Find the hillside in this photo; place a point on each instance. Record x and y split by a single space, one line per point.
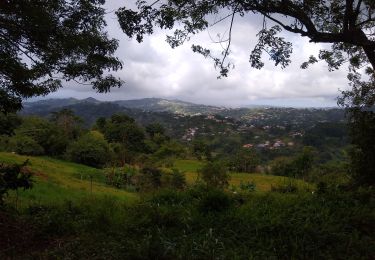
171 112
57 181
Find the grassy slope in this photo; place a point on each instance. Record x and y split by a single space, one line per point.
58 180
263 182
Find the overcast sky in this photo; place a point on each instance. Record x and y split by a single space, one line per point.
153 69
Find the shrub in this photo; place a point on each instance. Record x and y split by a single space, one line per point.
25 145
13 177
248 186
90 149
214 201
288 186
178 179
215 174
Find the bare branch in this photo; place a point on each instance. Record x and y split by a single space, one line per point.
229 39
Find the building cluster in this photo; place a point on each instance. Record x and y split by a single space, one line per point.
268 145
190 133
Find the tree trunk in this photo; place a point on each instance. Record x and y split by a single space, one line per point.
370 53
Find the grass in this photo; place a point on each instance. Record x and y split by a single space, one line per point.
198 223
188 165
263 182
57 180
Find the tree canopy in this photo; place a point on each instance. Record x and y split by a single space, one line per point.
46 42
347 25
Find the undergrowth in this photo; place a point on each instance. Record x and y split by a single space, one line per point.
206 224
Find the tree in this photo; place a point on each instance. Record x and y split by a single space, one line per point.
154 129
44 133
297 166
246 160
46 42
362 130
214 174
90 149
201 149
347 25
25 145
123 129
68 122
8 123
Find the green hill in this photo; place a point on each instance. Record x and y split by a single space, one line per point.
57 181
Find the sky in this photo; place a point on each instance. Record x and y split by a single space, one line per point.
154 69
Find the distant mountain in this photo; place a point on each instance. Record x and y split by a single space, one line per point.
172 106
150 109
145 104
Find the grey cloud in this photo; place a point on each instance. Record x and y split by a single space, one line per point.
153 69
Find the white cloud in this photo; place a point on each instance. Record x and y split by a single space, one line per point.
153 69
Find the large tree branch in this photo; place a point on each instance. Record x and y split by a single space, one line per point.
351 33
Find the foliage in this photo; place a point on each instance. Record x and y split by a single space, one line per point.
297 166
155 129
345 25
8 123
178 180
120 177
201 150
248 186
122 129
173 179
25 145
288 186
150 178
362 128
57 181
282 166
215 174
13 177
45 42
66 120
245 160
169 149
90 149
47 135
176 225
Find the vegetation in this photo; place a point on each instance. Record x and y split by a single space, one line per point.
202 183
62 38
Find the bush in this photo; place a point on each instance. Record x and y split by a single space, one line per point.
25 145
288 186
214 201
90 149
178 180
215 174
248 186
13 177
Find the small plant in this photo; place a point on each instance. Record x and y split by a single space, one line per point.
248 186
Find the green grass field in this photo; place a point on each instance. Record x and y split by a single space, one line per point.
263 181
57 181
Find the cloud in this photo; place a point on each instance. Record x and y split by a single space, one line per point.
154 69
